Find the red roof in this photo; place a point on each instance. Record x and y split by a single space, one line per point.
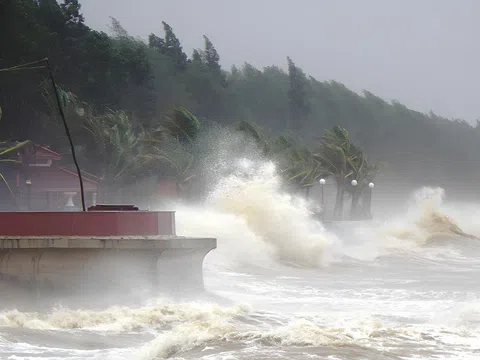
46 153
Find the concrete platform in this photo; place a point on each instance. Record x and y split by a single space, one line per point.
70 253
159 242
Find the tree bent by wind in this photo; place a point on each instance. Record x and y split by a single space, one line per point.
298 166
345 162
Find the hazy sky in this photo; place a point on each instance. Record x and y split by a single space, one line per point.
424 53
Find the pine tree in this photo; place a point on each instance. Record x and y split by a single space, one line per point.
71 10
173 49
212 60
117 29
196 57
297 94
156 43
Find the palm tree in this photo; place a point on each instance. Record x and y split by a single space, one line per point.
126 152
336 153
116 145
298 165
168 148
182 125
345 162
171 160
371 172
364 172
256 134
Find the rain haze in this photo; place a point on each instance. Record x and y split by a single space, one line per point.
421 53
193 195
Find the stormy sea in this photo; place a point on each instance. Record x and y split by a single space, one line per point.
282 285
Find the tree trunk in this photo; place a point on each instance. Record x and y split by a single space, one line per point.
367 203
338 210
355 198
337 203
179 191
307 193
342 196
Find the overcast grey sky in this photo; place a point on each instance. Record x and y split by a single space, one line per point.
424 53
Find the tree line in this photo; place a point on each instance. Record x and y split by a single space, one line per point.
118 76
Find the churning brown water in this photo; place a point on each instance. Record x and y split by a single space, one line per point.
280 286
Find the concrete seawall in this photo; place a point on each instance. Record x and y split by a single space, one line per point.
74 255
82 265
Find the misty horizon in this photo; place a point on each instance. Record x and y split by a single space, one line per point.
363 46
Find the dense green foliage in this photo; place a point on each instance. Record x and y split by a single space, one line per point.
121 77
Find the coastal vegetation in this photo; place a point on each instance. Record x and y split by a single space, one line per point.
136 107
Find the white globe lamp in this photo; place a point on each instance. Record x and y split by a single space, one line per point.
354 182
322 181
371 185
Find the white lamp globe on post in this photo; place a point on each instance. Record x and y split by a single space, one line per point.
322 181
354 198
368 207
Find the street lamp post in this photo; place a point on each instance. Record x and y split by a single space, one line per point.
322 183
354 199
371 185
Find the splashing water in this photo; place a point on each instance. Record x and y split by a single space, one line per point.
394 305
262 217
426 220
119 319
433 220
257 223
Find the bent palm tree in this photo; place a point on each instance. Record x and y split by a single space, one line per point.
171 160
256 134
116 145
181 125
364 172
298 165
345 162
334 152
168 149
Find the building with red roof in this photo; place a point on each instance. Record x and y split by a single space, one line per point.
42 184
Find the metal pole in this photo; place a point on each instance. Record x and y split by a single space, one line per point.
323 205
370 205
67 131
29 66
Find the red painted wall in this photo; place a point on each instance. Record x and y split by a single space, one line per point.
101 223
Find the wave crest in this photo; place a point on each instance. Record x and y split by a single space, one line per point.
261 212
119 319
